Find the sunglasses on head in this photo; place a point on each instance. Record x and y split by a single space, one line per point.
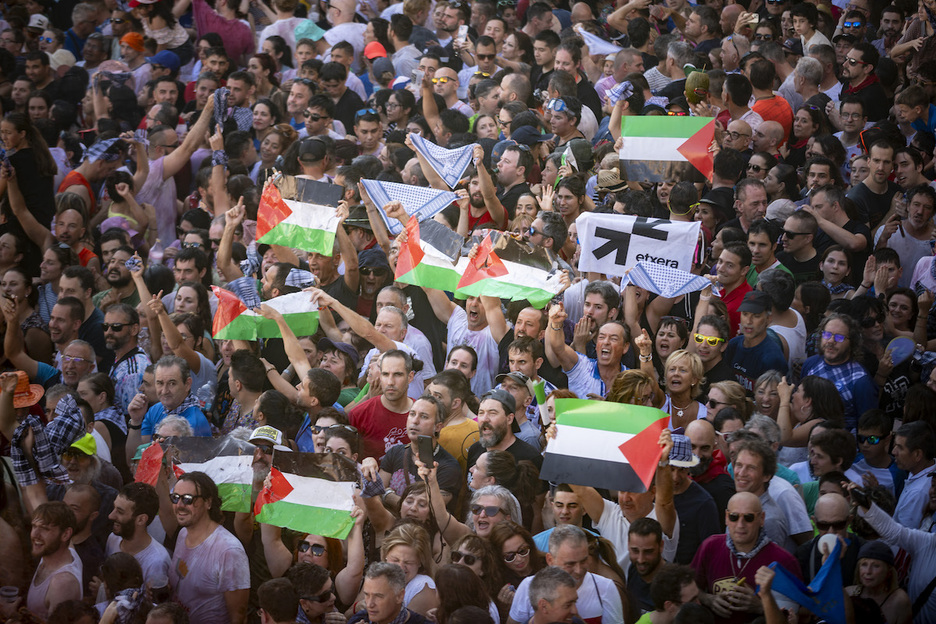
869 439
468 558
522 553
364 111
734 516
317 549
556 105
489 510
709 340
185 499
830 336
835 526
115 326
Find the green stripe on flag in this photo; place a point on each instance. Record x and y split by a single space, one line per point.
495 287
431 276
235 496
664 127
250 326
608 416
316 520
307 239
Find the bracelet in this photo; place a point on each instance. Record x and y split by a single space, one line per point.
645 358
554 328
866 287
270 370
709 298
134 427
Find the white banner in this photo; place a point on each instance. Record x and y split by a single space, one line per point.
613 243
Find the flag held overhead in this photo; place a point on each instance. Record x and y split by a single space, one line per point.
604 445
299 213
450 164
428 256
234 321
417 201
228 461
658 149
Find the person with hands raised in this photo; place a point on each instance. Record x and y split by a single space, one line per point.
587 376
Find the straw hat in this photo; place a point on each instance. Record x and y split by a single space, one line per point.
26 394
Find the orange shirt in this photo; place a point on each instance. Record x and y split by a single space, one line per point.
775 108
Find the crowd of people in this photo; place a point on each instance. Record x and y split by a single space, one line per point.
799 385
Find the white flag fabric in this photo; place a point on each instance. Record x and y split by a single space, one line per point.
450 164
663 280
613 243
597 45
418 202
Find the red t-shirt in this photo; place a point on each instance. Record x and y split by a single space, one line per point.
733 301
776 109
379 427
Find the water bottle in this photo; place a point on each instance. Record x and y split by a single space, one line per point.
205 396
156 252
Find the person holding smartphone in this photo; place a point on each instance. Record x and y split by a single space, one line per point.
397 468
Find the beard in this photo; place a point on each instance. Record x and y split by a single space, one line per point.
493 437
700 469
126 531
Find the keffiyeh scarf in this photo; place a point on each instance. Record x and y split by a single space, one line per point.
48 443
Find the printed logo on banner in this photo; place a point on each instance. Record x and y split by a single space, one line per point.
612 244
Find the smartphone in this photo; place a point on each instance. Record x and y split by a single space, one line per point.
463 32
416 79
424 444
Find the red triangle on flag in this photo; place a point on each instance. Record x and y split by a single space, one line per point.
485 265
229 308
150 465
696 149
643 451
276 489
272 210
411 253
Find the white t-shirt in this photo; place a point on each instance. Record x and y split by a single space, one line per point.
598 601
200 576
419 582
482 341
613 526
789 515
154 559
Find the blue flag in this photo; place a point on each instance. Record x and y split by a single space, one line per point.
824 596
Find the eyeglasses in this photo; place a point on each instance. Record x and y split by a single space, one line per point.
332 6
852 25
317 549
489 510
737 135
756 168
41 40
870 321
117 327
192 246
709 340
364 111
325 596
853 61
468 558
215 241
734 516
71 359
829 336
763 37
791 235
523 553
368 271
835 526
185 499
851 115
441 80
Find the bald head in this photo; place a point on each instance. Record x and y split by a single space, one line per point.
729 17
833 505
739 134
768 137
745 502
448 72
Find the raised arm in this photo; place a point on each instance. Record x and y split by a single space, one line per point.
352 276
13 342
8 383
664 505
381 233
348 581
218 188
142 163
557 351
358 324
229 269
434 179
495 317
441 304
173 337
294 352
452 530
488 190
430 111
182 155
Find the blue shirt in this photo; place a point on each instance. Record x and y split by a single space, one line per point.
194 415
859 394
749 363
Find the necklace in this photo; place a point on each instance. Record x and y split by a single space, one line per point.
679 410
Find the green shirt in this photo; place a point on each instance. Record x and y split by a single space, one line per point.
753 273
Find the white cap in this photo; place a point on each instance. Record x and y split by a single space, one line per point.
269 434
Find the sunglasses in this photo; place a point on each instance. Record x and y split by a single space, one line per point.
870 321
712 403
677 113
709 340
484 57
323 597
523 553
789 234
459 556
481 73
364 111
117 20
367 271
441 80
835 526
853 61
852 25
42 40
734 516
312 116
185 499
756 168
115 326
489 510
870 439
321 428
192 245
266 449
533 231
317 549
837 337
763 37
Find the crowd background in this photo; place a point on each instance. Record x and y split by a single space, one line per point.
137 138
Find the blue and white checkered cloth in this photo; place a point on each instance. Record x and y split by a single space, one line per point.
450 164
664 281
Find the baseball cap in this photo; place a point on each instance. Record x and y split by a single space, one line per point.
166 58
327 344
86 444
313 148
780 209
503 397
266 433
38 21
520 378
373 258
756 301
375 49
383 66
529 136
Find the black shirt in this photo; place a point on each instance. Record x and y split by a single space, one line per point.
871 206
347 107
588 96
823 241
806 271
508 199
519 449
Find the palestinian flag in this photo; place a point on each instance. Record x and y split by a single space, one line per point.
310 493
299 213
509 269
226 460
604 445
656 149
234 321
429 255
